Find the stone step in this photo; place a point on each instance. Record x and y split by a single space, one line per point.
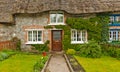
57 53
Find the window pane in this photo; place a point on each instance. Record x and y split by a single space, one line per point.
111 19
56 35
78 35
53 18
83 35
114 35
60 18
118 18
74 35
110 35
39 35
34 35
119 35
29 35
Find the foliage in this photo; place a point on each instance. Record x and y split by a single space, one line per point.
41 47
117 53
103 64
91 49
115 43
71 51
5 54
18 43
111 50
97 27
40 64
104 21
48 27
114 52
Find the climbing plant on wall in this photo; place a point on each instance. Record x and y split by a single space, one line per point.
97 28
104 21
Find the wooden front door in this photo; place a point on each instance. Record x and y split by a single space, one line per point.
57 40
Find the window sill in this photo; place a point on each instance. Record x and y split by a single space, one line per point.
56 24
80 42
34 43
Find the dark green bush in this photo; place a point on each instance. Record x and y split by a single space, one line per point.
18 43
91 49
41 47
71 51
117 53
105 48
1 57
111 50
114 52
5 54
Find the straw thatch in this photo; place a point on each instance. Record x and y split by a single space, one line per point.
10 7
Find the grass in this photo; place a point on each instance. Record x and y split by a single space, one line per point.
103 64
19 63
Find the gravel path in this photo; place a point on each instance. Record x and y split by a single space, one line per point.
57 64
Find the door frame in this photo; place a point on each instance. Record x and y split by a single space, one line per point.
52 39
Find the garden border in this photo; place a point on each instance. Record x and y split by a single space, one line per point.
46 64
68 63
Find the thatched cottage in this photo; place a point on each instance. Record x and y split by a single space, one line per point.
26 20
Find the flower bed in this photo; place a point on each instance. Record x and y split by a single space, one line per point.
74 64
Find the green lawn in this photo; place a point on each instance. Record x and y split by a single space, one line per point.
19 63
104 64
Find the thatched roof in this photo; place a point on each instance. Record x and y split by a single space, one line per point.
10 7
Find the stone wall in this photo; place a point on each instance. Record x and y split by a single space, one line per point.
23 22
30 21
6 32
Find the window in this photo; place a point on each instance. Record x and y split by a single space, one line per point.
118 18
78 36
34 37
114 35
114 19
56 18
111 19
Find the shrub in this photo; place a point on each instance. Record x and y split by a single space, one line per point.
5 54
71 51
111 50
91 49
1 58
18 43
41 47
105 48
117 53
114 52
40 64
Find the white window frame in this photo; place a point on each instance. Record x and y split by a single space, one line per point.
78 42
56 23
35 42
114 35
